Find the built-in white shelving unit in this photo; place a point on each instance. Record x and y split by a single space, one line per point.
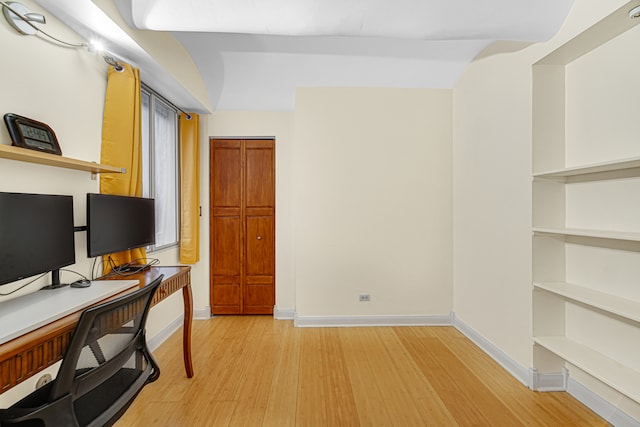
586 208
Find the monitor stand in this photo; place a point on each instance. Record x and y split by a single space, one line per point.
55 280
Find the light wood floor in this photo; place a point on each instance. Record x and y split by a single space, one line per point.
256 371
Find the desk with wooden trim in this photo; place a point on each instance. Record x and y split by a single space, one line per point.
26 355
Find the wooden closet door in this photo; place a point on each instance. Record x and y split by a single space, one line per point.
259 296
226 226
242 218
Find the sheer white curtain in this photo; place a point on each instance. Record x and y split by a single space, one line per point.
166 174
160 167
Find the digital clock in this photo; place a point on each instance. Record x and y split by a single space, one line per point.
31 134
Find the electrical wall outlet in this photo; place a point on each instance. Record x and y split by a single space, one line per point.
364 297
45 379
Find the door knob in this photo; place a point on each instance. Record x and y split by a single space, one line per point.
259 237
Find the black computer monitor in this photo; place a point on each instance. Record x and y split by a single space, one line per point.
36 235
118 223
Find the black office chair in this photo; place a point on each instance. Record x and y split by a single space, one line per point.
104 369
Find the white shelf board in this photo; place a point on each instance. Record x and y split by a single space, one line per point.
616 375
600 234
628 309
612 166
32 311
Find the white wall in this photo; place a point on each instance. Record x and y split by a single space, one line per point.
363 199
492 189
372 201
66 88
492 202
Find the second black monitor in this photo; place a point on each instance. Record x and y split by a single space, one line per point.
118 223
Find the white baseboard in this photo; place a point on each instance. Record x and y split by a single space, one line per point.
514 368
597 404
284 313
155 342
202 314
548 381
350 321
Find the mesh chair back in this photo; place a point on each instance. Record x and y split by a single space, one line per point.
105 367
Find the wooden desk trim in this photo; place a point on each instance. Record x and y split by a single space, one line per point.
25 356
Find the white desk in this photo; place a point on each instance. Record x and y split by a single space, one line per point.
31 352
27 313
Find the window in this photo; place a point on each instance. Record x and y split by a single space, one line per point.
160 165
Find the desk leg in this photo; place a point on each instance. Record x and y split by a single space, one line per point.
186 332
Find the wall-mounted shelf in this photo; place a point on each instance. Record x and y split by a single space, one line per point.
620 377
599 234
31 156
613 166
623 307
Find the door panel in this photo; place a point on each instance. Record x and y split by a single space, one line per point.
259 177
226 246
258 299
227 177
259 252
242 234
227 294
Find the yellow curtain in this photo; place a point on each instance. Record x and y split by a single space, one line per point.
121 144
190 189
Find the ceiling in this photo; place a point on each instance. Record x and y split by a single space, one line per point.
407 19
253 54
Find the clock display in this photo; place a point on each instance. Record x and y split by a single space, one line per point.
31 134
37 134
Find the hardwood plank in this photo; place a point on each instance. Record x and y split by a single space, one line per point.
283 396
325 395
558 408
312 405
381 397
256 371
427 402
258 363
467 398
